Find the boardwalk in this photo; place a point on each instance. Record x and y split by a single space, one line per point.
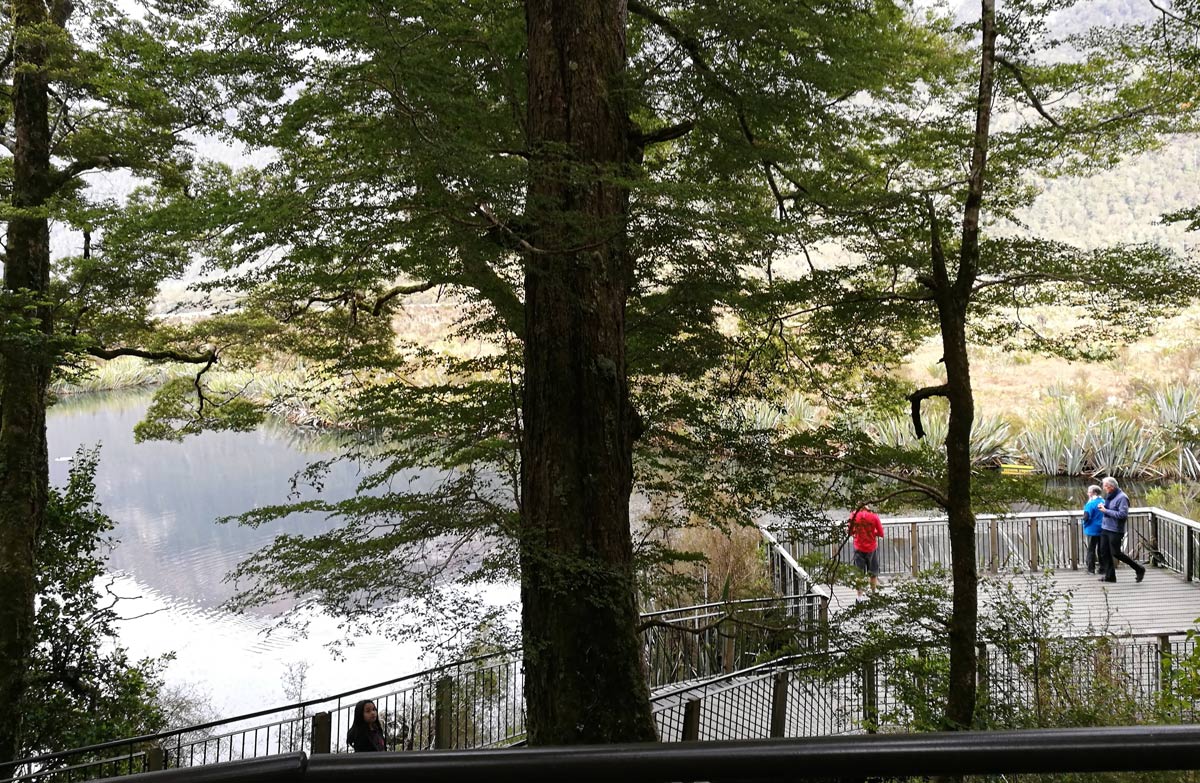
1029 549
1163 603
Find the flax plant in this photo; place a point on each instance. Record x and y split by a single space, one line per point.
990 435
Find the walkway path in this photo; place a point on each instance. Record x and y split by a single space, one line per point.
1163 603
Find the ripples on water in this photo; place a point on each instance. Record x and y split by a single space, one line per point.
164 499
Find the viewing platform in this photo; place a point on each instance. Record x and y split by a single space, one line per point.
764 667
1035 548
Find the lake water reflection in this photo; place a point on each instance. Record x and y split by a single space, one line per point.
165 498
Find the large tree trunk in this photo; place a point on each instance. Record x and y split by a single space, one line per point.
25 361
964 620
583 674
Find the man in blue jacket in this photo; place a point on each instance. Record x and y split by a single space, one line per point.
1115 509
1091 522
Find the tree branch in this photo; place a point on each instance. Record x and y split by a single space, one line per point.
75 168
400 290
942 390
1033 99
1176 17
208 357
668 133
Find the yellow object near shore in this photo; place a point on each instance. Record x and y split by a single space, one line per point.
1015 470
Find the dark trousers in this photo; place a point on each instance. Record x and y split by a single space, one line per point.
1110 553
1093 553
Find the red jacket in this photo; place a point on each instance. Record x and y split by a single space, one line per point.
866 529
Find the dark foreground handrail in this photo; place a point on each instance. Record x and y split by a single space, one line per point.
1110 749
300 705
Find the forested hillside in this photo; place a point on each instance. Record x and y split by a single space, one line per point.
1124 204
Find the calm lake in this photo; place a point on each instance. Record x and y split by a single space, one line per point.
172 557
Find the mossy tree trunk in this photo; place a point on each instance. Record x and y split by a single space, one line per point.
25 362
583 674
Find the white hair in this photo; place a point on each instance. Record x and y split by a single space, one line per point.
1111 482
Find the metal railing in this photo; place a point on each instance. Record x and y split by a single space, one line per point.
479 703
813 695
475 703
702 641
891 757
1026 541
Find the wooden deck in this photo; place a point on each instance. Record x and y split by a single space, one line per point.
1163 603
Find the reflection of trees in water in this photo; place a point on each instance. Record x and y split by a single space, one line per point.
324 440
101 401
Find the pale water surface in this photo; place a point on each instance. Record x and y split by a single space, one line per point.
172 557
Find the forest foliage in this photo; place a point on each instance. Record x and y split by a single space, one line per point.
403 152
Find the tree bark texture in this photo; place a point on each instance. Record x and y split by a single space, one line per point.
25 362
952 309
584 680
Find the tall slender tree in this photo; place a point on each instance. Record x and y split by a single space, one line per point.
87 90
968 165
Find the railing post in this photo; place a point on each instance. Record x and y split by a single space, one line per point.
155 759
916 551
1033 544
727 655
1076 532
1164 663
994 542
322 731
983 675
870 698
779 700
1189 555
443 691
1155 558
824 621
691 720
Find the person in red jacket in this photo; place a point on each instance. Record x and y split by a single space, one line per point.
867 530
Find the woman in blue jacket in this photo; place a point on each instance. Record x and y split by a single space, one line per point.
1092 518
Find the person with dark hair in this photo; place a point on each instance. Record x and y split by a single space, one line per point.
867 529
1115 509
366 731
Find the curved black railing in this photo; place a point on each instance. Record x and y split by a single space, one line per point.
893 756
476 703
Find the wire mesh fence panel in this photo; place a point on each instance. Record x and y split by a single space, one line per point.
713 639
820 706
668 720
740 710
1059 542
484 703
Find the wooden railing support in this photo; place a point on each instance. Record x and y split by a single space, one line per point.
1164 663
1076 532
823 627
779 701
1033 544
916 550
156 759
443 695
727 662
994 542
1189 557
1155 557
691 720
322 732
983 674
870 698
